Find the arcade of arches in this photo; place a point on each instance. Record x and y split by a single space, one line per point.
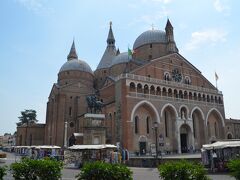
178 131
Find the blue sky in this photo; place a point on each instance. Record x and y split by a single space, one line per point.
36 35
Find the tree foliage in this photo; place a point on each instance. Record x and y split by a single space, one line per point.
32 169
27 116
104 171
182 170
3 171
234 167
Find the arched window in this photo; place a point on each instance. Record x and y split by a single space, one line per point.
167 76
146 90
187 80
164 92
212 99
132 87
185 95
190 95
195 96
175 92
181 94
170 92
152 90
136 124
147 125
219 100
139 88
199 97
208 98
158 91
203 97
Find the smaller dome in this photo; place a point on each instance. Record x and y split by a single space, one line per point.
150 36
77 65
121 58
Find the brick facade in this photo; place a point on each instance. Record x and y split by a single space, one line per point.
156 84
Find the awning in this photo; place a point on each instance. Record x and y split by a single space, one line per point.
92 147
77 134
221 145
47 147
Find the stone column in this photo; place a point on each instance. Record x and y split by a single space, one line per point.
190 123
178 125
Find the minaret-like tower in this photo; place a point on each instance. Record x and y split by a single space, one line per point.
110 39
171 46
72 54
102 70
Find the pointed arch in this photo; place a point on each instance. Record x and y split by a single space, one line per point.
149 104
218 112
166 105
198 108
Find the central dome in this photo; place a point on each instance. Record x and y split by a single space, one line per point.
77 65
150 36
121 58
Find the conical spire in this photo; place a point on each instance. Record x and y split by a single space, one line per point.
110 39
168 25
110 51
72 54
118 52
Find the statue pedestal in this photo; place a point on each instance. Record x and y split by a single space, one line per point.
94 129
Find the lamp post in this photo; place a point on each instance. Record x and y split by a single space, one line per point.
156 142
65 134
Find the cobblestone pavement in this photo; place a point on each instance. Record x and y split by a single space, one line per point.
138 173
141 174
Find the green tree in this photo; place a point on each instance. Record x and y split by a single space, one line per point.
3 171
27 116
234 167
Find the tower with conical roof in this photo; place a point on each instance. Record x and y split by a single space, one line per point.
171 45
102 70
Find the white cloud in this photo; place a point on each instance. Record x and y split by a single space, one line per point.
37 6
150 19
206 37
221 6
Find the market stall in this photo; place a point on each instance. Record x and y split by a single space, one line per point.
77 155
38 152
215 156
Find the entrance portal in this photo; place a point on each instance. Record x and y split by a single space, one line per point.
184 147
142 147
185 133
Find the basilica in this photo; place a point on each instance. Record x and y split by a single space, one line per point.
151 96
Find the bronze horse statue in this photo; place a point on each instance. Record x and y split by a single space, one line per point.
93 104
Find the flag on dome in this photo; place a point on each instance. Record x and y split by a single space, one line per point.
130 53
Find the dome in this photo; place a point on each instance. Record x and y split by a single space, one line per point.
121 58
150 36
77 65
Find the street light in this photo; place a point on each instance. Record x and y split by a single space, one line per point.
65 134
155 127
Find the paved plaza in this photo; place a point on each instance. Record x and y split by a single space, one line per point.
138 173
